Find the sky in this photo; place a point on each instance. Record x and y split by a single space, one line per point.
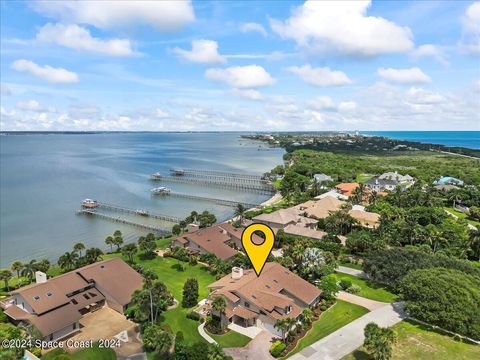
239 66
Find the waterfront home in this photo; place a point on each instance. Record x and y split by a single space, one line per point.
403 179
220 240
365 218
321 178
301 230
55 306
261 301
379 185
279 219
320 209
448 180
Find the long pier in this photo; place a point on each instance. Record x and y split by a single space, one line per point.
212 200
156 229
168 218
261 188
195 172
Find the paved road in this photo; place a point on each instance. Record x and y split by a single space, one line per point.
348 338
358 300
353 272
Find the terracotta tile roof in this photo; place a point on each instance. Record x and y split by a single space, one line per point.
282 217
322 208
304 231
347 188
276 287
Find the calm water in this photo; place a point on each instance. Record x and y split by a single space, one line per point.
44 178
468 139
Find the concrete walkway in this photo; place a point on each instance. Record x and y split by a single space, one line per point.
358 300
350 337
204 334
353 272
251 331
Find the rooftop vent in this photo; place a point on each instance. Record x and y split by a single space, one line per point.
102 266
237 272
40 277
36 297
49 293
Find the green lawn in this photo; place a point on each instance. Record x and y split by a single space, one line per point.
361 178
416 342
174 280
163 243
94 353
231 339
370 289
462 215
331 320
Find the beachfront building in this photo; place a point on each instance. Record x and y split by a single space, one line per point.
448 180
220 240
55 306
261 301
321 178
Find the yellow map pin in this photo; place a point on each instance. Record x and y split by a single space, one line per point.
258 253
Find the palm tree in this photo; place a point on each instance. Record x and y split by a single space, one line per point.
93 254
117 233
17 266
219 304
239 212
109 241
118 241
129 250
283 326
68 260
372 200
78 248
149 277
6 275
359 194
307 316
29 269
215 352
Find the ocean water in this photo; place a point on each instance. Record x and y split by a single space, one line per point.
468 139
45 177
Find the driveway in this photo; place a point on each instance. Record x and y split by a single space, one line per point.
353 272
255 350
348 338
358 300
106 323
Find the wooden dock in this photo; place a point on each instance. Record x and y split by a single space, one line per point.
225 182
169 218
222 202
196 172
155 229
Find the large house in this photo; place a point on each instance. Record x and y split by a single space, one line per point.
401 179
220 240
347 189
261 301
321 178
448 180
55 306
320 209
365 218
279 219
378 185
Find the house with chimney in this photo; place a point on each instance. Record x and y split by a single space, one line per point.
55 306
261 301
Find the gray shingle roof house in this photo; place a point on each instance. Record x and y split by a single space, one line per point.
397 177
376 184
321 178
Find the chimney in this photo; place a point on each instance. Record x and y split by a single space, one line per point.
40 277
237 272
192 227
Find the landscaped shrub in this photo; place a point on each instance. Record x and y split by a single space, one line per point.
193 315
130 312
3 317
277 348
179 336
345 284
354 289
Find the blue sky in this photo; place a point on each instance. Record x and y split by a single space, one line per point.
256 65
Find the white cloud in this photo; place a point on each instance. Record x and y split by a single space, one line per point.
347 106
320 76
250 94
404 76
471 29
429 50
5 90
326 103
253 27
422 96
249 76
33 105
320 26
79 38
48 73
162 15
203 51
